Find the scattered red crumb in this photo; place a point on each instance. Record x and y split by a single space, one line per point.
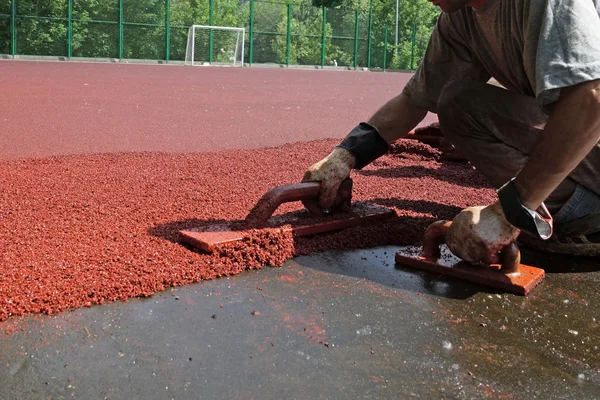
414 150
82 230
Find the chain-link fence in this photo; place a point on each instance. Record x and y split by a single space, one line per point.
281 33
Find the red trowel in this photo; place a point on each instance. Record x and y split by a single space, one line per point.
207 238
510 275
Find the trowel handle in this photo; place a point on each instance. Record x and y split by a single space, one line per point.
510 256
435 235
265 207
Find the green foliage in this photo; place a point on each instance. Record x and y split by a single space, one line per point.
42 29
5 34
45 35
267 20
306 30
95 39
414 16
341 24
327 3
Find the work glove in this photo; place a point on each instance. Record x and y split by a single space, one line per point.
331 171
477 234
359 148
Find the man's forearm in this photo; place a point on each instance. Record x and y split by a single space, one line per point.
397 117
570 134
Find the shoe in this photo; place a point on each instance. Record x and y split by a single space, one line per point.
579 237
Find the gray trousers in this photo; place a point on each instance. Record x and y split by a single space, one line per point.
497 130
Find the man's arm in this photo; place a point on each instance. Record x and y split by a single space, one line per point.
393 121
570 134
479 233
397 117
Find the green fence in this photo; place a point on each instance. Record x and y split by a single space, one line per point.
282 33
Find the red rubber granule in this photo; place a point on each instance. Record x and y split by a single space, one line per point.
83 230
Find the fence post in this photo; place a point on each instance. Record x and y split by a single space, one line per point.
355 37
289 35
412 45
323 36
167 30
370 34
120 30
251 33
385 44
13 28
210 31
70 30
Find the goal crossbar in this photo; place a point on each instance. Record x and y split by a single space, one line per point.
237 57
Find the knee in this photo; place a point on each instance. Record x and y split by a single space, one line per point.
455 103
456 97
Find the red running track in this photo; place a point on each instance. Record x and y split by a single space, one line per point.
59 108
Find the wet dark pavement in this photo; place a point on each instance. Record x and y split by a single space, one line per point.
342 324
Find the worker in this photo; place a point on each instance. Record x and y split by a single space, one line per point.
535 137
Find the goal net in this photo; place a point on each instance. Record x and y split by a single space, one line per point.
215 45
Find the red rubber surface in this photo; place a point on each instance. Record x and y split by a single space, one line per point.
83 229
76 108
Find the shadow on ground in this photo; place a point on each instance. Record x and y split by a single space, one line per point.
436 210
377 266
170 231
371 261
557 263
367 252
447 172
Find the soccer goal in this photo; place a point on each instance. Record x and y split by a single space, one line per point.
215 45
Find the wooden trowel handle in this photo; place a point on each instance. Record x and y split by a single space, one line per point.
265 207
435 235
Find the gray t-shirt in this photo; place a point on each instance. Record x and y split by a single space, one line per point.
532 47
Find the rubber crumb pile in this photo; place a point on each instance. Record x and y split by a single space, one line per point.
82 230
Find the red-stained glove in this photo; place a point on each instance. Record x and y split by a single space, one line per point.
477 234
331 171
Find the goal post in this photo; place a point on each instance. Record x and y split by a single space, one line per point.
215 45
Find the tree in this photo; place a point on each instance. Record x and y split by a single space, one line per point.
417 15
96 29
267 20
306 28
46 35
143 33
5 35
94 39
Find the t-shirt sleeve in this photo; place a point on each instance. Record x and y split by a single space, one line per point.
447 58
562 46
